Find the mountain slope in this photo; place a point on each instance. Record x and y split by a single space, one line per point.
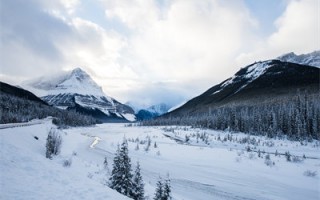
254 83
76 90
19 92
272 98
19 105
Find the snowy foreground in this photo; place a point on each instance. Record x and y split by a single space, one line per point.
204 165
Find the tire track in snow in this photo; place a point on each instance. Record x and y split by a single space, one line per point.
94 144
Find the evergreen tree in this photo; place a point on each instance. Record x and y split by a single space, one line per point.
159 191
163 190
116 174
138 185
167 190
121 175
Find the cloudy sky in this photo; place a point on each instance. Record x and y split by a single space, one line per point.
151 51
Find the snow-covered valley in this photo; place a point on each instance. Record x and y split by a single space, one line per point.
202 164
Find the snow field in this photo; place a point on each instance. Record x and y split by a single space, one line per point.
27 174
211 168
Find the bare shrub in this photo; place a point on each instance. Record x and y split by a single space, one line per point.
310 173
67 163
288 156
54 141
268 161
296 159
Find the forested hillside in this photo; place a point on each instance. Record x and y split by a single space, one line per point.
270 98
18 106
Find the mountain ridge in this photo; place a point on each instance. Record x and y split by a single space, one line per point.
311 59
245 88
242 79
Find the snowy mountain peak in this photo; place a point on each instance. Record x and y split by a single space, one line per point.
79 82
76 81
159 108
79 74
312 59
77 90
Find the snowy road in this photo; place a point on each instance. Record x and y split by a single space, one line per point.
31 123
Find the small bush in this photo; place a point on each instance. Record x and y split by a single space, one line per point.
248 149
296 159
288 156
67 163
268 161
310 173
105 163
267 157
53 144
137 147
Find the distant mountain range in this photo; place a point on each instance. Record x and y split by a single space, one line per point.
258 82
152 111
75 90
311 59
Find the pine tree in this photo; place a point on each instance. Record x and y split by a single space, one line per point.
121 175
163 190
116 174
138 185
167 190
159 191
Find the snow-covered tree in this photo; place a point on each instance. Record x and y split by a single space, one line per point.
121 175
138 185
163 190
167 190
159 191
297 117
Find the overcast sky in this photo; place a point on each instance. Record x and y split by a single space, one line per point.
151 51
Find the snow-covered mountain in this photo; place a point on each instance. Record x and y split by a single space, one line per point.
159 108
76 90
260 81
312 59
152 111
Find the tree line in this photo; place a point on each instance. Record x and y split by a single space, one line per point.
15 109
297 118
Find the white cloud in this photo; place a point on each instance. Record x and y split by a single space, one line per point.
188 41
297 30
134 13
150 51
